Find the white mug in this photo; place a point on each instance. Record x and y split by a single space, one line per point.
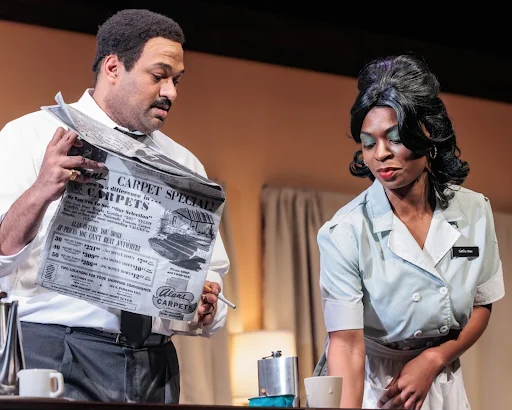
323 391
40 383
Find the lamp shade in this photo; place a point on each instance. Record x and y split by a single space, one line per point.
249 347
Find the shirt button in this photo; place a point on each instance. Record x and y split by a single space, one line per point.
406 348
418 333
443 291
443 329
429 344
415 297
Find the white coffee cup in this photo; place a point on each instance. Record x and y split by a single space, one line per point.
323 391
40 383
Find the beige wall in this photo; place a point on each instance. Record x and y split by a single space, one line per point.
251 124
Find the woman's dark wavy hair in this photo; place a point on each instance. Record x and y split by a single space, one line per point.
126 33
406 84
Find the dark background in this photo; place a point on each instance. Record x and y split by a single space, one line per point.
468 47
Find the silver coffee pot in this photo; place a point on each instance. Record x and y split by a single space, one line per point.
11 349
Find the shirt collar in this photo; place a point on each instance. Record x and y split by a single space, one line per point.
381 214
379 208
90 107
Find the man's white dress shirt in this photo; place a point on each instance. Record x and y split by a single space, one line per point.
22 147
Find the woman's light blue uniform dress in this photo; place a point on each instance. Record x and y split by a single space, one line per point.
374 276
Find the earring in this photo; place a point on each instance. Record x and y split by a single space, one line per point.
433 155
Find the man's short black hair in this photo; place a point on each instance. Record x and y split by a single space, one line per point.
127 31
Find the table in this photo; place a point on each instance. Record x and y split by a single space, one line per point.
16 403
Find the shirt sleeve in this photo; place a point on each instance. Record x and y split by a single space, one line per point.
219 266
18 174
491 286
9 263
340 282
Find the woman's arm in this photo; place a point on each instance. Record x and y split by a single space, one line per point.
346 358
452 349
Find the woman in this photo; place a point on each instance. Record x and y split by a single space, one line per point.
410 268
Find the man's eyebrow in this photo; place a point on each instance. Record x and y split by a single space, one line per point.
164 66
167 68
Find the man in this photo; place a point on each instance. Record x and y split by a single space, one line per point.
138 64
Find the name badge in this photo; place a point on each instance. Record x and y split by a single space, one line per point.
465 252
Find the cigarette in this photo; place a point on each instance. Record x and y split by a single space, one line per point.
227 302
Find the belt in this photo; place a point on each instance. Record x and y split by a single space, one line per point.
153 339
377 349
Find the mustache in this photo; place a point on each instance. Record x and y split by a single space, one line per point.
163 104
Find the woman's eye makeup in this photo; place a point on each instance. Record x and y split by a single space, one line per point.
367 141
394 136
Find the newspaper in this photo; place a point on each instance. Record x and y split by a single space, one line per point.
139 236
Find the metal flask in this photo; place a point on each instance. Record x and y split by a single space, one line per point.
279 376
11 350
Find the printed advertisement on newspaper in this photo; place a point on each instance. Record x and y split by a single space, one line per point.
139 235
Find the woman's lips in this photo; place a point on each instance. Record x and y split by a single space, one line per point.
387 173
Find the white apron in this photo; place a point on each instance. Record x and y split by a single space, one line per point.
382 364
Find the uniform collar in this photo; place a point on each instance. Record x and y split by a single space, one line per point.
381 214
379 208
441 237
